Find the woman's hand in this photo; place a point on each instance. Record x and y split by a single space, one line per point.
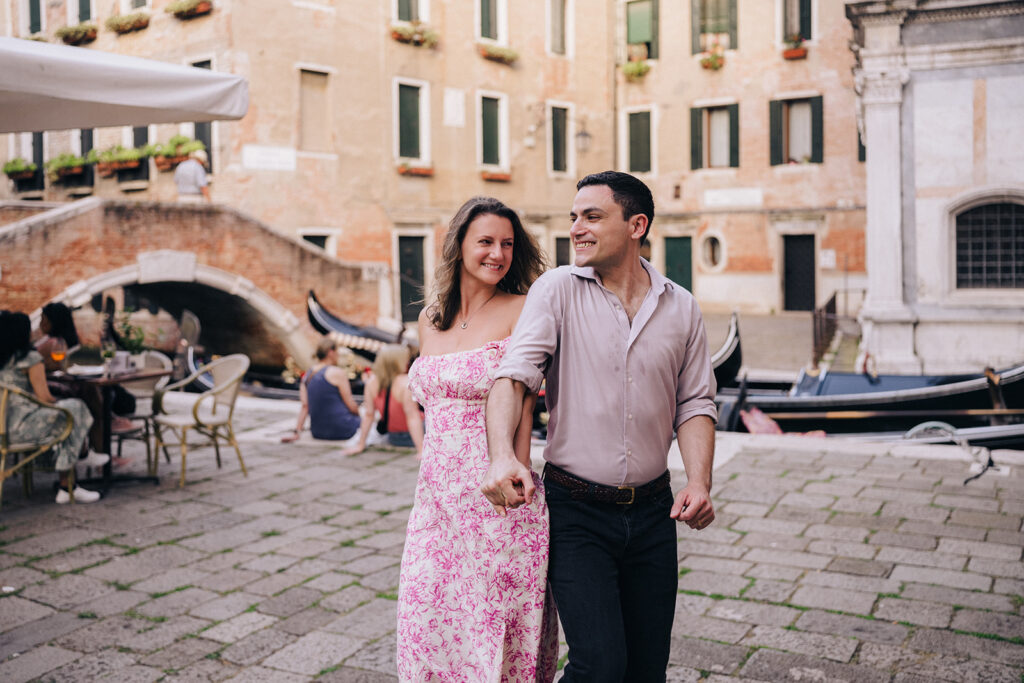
354 450
290 437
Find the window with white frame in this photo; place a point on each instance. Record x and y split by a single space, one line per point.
325 238
32 17
134 5
796 129
557 29
203 130
639 143
713 25
80 11
411 10
492 21
493 126
990 247
412 120
796 19
714 137
314 130
642 28
559 139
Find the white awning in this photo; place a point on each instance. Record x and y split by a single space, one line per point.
57 87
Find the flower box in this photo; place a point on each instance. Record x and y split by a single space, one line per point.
496 53
70 170
421 171
79 34
634 71
187 9
126 23
20 175
166 163
104 169
125 165
414 34
496 176
795 53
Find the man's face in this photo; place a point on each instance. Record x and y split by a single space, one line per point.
601 237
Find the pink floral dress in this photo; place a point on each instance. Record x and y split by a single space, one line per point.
472 605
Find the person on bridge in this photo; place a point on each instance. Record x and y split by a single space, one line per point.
327 398
190 177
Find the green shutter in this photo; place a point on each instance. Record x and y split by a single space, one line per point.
35 16
862 152
696 141
559 120
408 121
805 19
638 22
695 26
405 10
817 131
489 19
489 119
84 10
653 51
734 135
640 142
775 133
734 43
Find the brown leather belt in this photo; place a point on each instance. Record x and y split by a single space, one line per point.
583 489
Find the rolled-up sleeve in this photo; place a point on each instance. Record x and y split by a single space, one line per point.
695 386
535 337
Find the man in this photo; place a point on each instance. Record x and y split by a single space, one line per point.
190 177
625 356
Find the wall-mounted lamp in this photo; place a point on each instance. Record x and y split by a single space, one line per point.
583 138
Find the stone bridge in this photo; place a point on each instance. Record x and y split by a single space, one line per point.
71 252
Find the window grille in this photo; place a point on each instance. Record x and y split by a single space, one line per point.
990 247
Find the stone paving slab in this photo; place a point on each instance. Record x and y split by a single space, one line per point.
860 563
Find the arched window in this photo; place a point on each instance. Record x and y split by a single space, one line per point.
990 247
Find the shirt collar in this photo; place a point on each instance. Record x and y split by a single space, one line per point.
659 283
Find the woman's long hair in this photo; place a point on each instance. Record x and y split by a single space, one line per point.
526 266
61 323
15 336
392 360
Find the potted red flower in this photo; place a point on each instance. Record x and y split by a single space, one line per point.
796 50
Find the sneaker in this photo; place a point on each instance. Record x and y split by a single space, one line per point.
94 459
81 496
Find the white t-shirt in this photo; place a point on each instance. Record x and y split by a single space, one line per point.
190 177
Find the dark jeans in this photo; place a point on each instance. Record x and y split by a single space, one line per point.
613 572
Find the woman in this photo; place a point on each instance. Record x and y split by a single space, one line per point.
55 323
471 597
327 398
21 366
387 394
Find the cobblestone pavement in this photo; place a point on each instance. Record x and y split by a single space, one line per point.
829 561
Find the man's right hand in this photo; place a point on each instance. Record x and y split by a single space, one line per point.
508 484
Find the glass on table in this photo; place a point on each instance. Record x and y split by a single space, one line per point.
59 353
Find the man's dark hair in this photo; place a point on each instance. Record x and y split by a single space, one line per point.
628 192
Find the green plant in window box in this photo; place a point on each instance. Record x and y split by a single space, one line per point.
186 9
65 164
130 337
415 33
125 23
497 53
796 50
79 34
635 71
19 169
713 59
175 151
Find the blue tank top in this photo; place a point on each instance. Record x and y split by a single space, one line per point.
329 417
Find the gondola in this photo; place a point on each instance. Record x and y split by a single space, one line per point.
857 403
728 359
365 341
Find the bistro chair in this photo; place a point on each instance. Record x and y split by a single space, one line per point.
209 414
21 454
143 390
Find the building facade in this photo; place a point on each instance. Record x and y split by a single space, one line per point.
940 95
370 122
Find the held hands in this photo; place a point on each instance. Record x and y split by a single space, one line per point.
693 506
508 484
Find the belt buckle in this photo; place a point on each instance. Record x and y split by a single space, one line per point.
632 495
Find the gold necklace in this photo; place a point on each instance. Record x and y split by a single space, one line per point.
465 323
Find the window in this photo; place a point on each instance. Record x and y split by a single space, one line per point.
493 130
79 11
642 28
84 146
796 19
796 131
715 137
556 26
563 251
324 238
33 18
713 22
139 138
412 270
408 121
862 152
314 133
640 142
31 150
990 247
493 15
203 130
408 10
559 139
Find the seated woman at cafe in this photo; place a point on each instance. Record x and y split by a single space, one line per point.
326 398
386 394
57 326
21 366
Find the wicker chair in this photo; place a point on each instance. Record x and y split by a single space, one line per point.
143 391
21 454
209 414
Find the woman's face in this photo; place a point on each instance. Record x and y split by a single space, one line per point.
44 324
487 249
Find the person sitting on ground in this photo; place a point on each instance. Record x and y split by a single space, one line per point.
387 394
21 366
190 177
327 398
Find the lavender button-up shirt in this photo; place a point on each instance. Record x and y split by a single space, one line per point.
615 392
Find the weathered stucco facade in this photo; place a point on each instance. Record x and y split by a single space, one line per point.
941 90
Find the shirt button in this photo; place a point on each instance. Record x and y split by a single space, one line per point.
630 378
629 452
630 416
